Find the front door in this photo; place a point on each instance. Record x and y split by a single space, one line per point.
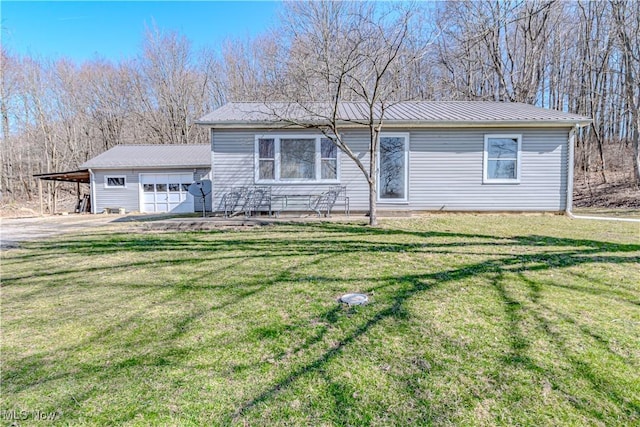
393 168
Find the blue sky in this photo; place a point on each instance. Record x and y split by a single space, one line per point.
114 29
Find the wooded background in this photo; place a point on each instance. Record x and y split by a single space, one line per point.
580 56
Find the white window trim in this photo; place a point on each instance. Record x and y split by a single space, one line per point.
405 200
485 178
317 157
106 181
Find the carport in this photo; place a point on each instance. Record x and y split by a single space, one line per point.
81 176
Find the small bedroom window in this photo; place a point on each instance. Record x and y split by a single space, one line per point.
115 182
502 159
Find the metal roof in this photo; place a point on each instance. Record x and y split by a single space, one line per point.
418 113
152 156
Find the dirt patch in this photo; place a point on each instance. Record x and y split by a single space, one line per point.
208 224
31 208
616 193
19 210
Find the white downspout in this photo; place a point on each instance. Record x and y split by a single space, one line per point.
92 187
570 161
211 150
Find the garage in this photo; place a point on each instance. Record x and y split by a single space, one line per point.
149 178
166 192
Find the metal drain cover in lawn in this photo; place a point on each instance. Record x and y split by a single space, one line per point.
354 299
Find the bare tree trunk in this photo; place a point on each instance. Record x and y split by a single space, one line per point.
628 30
348 52
373 175
373 204
5 147
636 151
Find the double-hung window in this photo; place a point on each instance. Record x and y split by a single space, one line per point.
328 159
502 159
291 158
266 159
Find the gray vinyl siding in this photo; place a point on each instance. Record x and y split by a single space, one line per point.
129 197
234 165
445 169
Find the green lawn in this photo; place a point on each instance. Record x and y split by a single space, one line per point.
473 320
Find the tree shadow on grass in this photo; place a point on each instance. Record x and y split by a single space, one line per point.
538 254
519 346
37 370
589 252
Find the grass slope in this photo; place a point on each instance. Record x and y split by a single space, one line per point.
474 320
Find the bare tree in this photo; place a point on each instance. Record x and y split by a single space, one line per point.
495 50
108 105
346 52
254 69
169 89
577 56
8 91
627 21
593 48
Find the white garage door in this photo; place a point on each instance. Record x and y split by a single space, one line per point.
166 192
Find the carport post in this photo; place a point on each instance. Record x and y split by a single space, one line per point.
40 193
50 201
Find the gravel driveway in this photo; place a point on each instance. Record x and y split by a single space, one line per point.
15 230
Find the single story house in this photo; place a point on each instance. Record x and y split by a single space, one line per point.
148 178
434 156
